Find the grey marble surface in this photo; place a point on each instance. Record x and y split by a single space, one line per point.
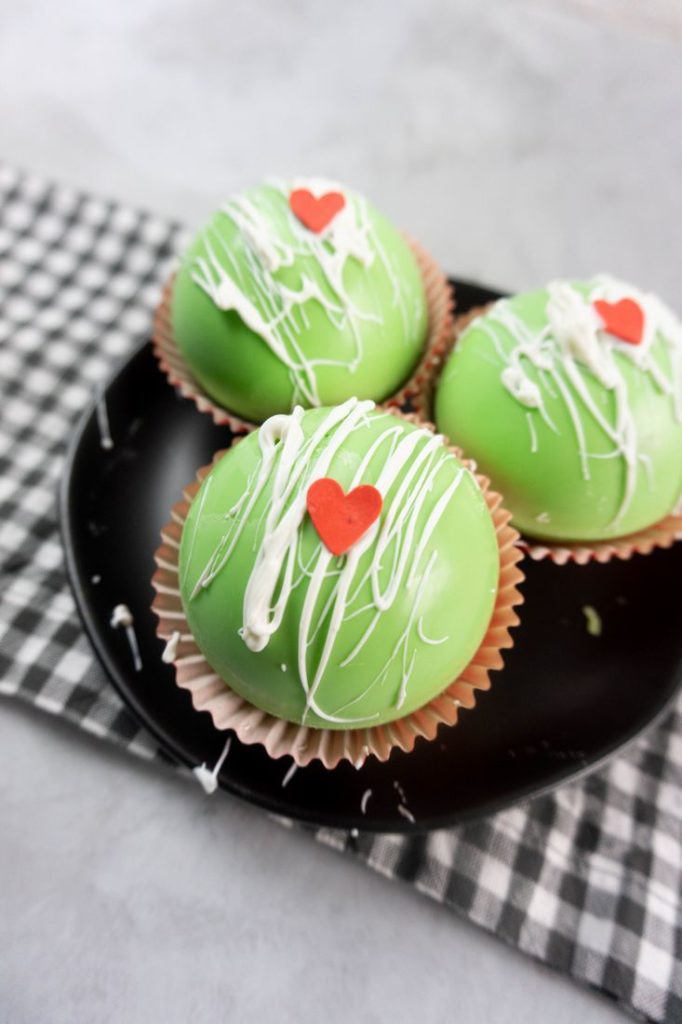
518 141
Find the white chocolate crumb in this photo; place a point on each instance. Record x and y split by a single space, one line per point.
170 651
121 616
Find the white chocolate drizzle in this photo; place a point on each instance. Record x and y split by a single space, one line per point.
170 651
105 438
291 771
574 341
278 313
407 466
366 797
533 433
122 616
208 777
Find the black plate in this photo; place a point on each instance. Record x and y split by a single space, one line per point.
565 702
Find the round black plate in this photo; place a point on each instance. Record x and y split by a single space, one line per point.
565 701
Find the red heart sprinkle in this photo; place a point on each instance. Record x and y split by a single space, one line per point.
341 519
624 319
315 212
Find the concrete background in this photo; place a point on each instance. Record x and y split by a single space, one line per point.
519 141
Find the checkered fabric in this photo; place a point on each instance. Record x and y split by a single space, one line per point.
588 880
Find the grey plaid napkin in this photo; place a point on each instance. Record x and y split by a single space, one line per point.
588 880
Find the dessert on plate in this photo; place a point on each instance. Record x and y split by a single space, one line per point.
298 293
570 399
338 569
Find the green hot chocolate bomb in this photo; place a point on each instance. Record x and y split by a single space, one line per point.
298 293
570 400
346 640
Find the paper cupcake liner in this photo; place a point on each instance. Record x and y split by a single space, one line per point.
660 535
421 397
330 746
440 304
175 368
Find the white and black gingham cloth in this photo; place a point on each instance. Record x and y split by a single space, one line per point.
587 880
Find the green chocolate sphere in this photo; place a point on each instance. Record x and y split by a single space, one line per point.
270 312
570 399
339 641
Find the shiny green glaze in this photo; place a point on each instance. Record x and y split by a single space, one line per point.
545 489
238 369
456 602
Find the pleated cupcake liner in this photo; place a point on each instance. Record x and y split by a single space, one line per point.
662 534
439 302
422 397
230 711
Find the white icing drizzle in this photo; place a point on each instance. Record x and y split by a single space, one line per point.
170 651
406 814
574 341
428 640
204 495
521 388
533 433
105 438
398 564
293 768
366 797
277 313
208 777
122 616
